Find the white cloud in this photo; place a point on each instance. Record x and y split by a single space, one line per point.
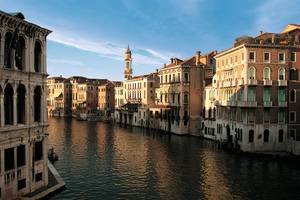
64 61
109 50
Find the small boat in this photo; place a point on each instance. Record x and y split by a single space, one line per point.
52 156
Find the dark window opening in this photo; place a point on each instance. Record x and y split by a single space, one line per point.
266 135
21 156
7 50
8 104
37 57
251 136
9 159
280 136
38 151
20 53
251 55
293 74
37 104
38 177
292 96
21 104
21 184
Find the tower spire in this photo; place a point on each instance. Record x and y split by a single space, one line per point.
128 62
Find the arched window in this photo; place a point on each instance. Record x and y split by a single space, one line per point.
8 104
267 73
21 91
37 103
7 50
251 73
20 53
266 135
280 136
251 136
293 95
37 57
293 74
281 74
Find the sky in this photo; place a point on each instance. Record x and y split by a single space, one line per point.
90 36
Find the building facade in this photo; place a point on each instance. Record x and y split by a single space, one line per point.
59 99
23 116
179 102
252 100
106 99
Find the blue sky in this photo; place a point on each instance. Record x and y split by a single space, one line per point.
89 36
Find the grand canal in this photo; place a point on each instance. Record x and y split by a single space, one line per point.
105 161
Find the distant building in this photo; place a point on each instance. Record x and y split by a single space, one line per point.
106 99
59 99
119 94
252 100
23 124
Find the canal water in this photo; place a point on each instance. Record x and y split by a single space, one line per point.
105 161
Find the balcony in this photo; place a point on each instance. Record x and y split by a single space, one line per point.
247 103
227 84
231 103
282 83
252 82
267 103
267 82
282 104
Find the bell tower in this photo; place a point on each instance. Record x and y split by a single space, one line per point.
128 63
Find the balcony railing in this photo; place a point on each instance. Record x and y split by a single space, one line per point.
282 82
267 82
231 103
282 104
267 103
252 82
247 103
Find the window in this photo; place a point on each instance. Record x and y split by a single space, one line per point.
280 136
293 56
266 96
38 151
251 116
281 57
173 98
38 177
37 104
21 156
293 96
37 57
21 91
293 134
178 99
267 73
281 116
266 116
7 50
292 116
281 95
186 98
251 94
9 159
8 104
267 57
186 77
251 73
21 184
20 53
251 136
293 74
178 77
252 56
281 74
266 136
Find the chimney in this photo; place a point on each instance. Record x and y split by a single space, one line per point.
261 32
273 38
156 70
197 56
172 60
165 65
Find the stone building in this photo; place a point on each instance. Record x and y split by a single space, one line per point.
106 99
23 116
135 95
59 99
179 96
252 100
119 95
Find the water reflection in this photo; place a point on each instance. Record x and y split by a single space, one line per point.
103 161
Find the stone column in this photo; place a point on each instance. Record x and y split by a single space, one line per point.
15 109
12 58
2 46
2 110
26 109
